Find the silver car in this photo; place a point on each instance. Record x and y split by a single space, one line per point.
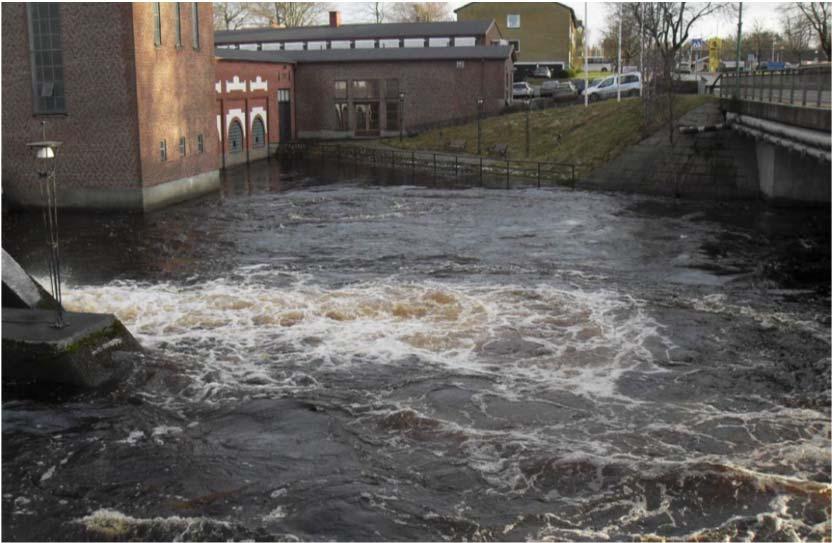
522 90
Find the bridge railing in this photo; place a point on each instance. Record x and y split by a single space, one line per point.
804 87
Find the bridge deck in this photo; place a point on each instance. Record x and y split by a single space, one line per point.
809 88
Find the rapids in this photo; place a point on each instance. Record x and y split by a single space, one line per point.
384 359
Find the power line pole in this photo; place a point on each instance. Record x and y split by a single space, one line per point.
586 59
739 44
641 53
618 83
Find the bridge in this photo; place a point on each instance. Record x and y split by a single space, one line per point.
789 114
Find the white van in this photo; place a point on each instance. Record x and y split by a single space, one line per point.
598 64
608 88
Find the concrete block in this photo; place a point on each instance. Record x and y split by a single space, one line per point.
20 290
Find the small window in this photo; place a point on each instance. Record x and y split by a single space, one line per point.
294 46
163 150
182 147
342 116
512 21
365 88
392 115
414 42
235 137
439 42
465 41
195 23
515 44
316 46
258 132
200 144
388 44
339 44
365 44
340 89
249 46
283 95
157 23
178 14
460 64
392 88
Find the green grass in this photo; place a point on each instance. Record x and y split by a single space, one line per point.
586 137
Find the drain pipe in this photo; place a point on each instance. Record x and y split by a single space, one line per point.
809 138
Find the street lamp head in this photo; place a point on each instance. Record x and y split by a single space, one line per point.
480 101
401 97
44 149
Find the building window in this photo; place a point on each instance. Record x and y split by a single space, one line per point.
294 46
515 44
200 144
258 132
315 46
283 95
512 21
235 137
365 88
47 58
392 115
178 13
366 117
465 41
414 42
340 89
340 44
157 23
460 64
181 147
195 23
439 42
388 44
342 116
365 44
163 150
391 88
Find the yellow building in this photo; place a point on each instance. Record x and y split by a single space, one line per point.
542 33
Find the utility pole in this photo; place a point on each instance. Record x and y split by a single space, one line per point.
618 82
739 44
586 59
641 52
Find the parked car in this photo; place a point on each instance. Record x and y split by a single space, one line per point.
608 88
522 90
558 88
542 71
579 84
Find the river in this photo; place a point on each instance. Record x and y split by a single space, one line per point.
359 357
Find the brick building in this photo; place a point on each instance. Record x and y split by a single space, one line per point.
360 80
255 108
127 88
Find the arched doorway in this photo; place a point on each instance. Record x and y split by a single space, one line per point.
258 132
235 137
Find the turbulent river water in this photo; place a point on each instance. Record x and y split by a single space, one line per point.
359 357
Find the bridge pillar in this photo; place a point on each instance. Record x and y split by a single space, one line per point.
788 177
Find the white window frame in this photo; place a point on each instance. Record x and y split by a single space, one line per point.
508 20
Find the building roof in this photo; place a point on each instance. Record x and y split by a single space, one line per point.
571 11
494 52
354 32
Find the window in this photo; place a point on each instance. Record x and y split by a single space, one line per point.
512 21
270 47
157 23
200 144
392 115
163 150
414 42
439 42
607 83
388 44
195 23
365 88
178 13
342 116
342 44
340 89
294 46
629 79
392 88
515 44
316 46
235 137
47 58
283 95
465 41
249 46
258 132
460 64
182 147
365 44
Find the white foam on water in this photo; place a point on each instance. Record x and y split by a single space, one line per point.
132 438
112 524
242 329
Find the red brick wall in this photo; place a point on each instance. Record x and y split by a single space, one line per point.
277 76
435 91
175 93
99 131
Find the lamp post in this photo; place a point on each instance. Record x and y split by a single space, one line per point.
401 112
45 166
480 102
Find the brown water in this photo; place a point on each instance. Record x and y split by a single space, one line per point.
352 356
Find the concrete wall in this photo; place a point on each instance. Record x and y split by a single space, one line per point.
710 165
786 177
435 91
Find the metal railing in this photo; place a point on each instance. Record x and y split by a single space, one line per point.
469 169
798 87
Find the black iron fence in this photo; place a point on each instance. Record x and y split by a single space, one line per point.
467 169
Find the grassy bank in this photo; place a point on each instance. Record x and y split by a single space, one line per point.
586 137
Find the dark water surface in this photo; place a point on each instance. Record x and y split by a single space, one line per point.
373 359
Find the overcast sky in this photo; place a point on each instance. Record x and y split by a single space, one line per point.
598 12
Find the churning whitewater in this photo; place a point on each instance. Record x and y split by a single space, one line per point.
359 361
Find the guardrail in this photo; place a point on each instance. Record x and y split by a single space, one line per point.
796 87
473 170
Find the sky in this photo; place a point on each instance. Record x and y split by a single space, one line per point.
766 13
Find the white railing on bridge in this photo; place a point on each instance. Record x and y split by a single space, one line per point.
805 87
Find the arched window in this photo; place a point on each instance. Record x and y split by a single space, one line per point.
258 132
235 137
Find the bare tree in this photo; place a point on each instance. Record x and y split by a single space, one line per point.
288 14
230 15
375 11
421 12
816 14
796 34
630 39
761 40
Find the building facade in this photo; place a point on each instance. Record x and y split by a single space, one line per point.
542 33
127 88
255 108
